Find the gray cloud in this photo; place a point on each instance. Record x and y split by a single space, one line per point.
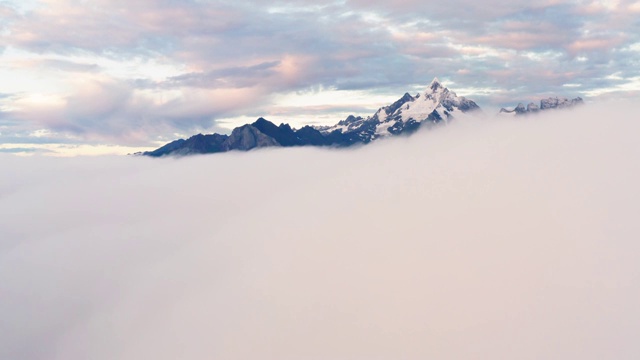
494 239
238 76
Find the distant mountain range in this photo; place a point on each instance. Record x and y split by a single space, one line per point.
545 104
436 105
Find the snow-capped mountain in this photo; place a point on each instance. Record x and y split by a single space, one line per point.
435 105
545 104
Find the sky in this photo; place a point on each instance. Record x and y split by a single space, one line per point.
114 76
486 239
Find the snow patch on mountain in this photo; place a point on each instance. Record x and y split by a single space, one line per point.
436 104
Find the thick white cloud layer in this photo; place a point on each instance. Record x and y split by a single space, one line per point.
491 239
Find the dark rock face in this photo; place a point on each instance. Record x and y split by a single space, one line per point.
166 149
284 135
465 105
396 105
434 117
197 144
350 120
310 136
411 126
247 137
435 85
520 109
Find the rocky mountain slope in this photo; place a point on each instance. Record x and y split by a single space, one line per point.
435 105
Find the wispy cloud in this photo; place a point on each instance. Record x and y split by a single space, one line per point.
225 52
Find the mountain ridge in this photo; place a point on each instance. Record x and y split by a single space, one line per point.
545 104
436 105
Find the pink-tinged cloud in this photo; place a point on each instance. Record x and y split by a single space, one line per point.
594 44
109 110
521 40
254 49
62 25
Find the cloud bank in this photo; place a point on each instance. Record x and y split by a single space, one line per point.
171 68
492 239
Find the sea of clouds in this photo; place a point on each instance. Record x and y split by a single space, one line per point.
498 238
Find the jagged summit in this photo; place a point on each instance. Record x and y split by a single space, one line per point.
435 84
436 105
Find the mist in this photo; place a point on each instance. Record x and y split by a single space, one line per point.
489 239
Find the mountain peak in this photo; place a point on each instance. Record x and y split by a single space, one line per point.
435 84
